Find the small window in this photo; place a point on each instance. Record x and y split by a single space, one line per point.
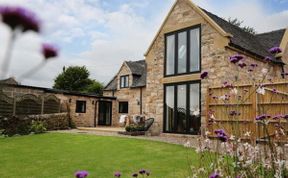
124 81
80 106
123 107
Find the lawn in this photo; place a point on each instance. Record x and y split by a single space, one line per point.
54 155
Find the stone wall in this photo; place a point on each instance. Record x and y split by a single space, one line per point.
214 59
52 121
130 95
86 119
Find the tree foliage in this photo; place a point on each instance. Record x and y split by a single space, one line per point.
76 78
95 87
239 23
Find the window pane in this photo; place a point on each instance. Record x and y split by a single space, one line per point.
181 108
123 107
194 50
170 54
80 106
182 52
126 81
121 82
169 108
194 117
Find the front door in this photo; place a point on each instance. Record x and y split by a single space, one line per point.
105 113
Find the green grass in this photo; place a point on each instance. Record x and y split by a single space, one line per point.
54 155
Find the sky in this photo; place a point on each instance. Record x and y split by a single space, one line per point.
102 34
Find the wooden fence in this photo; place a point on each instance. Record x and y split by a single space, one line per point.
248 104
28 104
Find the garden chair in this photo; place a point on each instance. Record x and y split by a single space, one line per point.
135 130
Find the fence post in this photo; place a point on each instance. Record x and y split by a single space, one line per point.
14 105
207 108
42 104
254 112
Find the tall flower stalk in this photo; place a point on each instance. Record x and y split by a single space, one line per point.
19 20
236 154
48 51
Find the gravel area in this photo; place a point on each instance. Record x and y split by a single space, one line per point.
167 138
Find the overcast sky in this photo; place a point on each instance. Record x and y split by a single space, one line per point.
101 34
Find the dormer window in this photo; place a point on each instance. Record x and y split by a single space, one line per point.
124 81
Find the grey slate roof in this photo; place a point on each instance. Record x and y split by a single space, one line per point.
112 85
10 80
255 44
138 69
258 45
271 38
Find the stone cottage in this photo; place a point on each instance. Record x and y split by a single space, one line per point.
167 85
84 109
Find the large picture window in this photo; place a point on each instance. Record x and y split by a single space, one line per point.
124 81
183 51
182 108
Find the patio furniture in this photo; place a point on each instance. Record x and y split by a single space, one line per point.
141 129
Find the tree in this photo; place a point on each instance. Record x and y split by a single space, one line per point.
95 87
76 78
239 23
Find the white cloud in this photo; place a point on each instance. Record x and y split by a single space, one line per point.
254 14
101 39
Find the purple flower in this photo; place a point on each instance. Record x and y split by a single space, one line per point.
204 75
117 174
277 117
275 50
214 175
285 116
49 51
254 65
142 171
234 113
268 59
250 70
274 90
227 85
135 175
236 58
242 64
262 117
81 174
148 173
221 135
18 17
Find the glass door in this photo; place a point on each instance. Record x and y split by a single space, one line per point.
105 113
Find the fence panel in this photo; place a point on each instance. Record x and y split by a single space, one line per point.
6 105
222 102
29 104
51 104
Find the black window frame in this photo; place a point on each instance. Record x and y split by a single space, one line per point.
175 33
125 78
77 107
123 102
187 83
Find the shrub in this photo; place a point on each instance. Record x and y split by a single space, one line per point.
15 125
38 127
134 128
